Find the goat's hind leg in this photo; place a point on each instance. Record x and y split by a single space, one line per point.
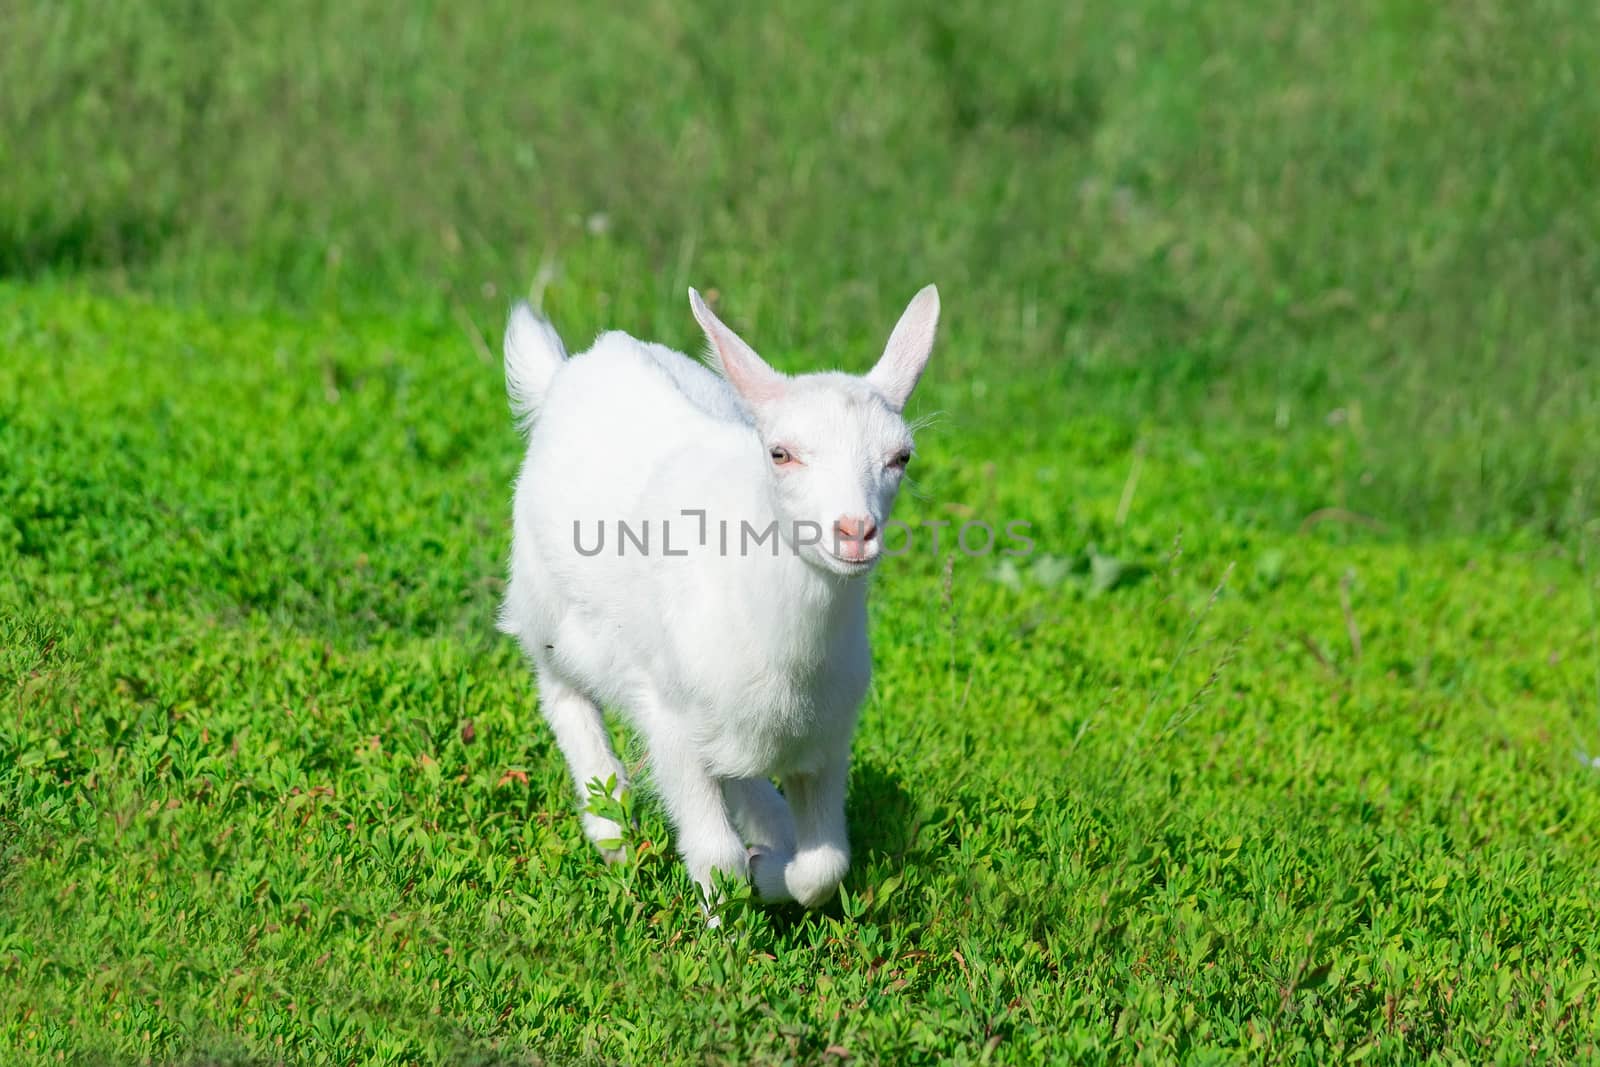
580 730
760 813
767 826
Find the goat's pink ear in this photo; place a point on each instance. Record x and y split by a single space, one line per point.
748 373
909 347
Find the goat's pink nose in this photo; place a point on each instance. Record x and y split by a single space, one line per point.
855 528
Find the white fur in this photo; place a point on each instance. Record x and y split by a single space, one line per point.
734 668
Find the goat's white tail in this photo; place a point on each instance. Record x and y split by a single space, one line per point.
534 353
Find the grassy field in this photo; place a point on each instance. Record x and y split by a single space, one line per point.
1278 325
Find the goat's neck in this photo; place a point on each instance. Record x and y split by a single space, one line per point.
812 610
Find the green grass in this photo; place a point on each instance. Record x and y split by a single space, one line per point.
1202 779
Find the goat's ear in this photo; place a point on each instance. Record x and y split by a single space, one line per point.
747 372
909 347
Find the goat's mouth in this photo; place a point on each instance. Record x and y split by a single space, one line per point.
847 564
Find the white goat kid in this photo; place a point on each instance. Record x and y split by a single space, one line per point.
739 653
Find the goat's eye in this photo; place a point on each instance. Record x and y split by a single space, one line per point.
900 459
780 455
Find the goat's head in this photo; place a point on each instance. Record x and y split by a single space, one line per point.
836 444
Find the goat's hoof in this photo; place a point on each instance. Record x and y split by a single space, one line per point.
814 875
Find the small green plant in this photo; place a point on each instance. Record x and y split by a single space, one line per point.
606 801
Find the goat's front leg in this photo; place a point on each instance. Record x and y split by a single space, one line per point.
706 836
822 840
